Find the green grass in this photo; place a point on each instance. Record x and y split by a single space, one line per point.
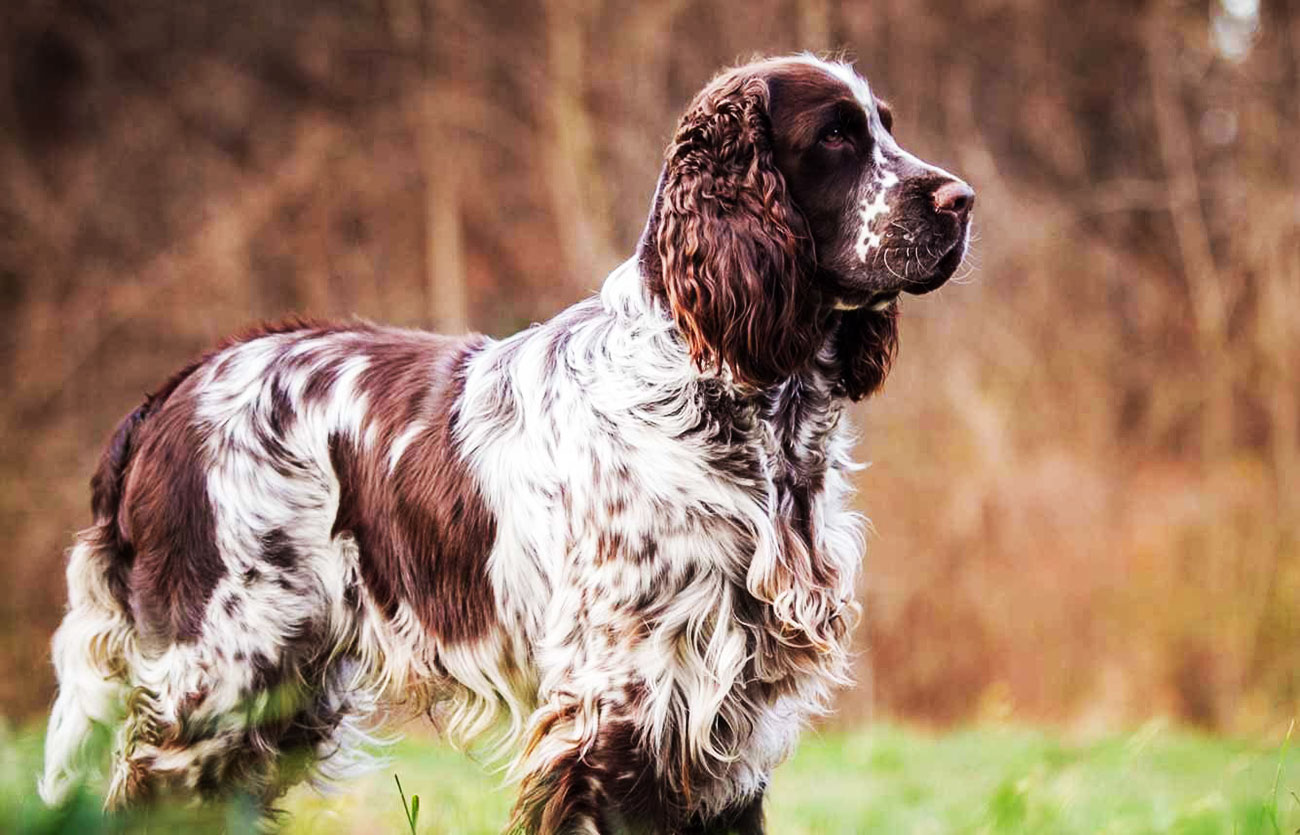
885 779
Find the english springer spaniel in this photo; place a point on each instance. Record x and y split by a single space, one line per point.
620 539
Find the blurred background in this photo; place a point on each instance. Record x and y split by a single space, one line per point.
1085 481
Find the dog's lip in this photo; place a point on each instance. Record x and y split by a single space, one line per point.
943 270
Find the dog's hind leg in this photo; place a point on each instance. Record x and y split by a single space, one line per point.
183 732
89 653
198 729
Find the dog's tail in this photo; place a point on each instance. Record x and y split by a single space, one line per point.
91 646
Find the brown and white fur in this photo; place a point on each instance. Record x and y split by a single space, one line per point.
621 537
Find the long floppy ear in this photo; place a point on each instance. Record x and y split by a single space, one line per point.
736 259
866 343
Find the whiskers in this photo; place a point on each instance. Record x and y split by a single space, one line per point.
885 258
970 263
913 255
918 262
965 273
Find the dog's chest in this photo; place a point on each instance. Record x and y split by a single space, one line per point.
654 532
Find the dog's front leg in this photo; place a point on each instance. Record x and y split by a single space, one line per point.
584 771
745 818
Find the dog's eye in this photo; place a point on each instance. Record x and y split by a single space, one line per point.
834 137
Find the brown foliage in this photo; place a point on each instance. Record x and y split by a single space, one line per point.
1087 457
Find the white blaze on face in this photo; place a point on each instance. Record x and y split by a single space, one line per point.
874 204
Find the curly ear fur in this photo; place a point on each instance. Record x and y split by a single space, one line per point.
737 259
865 345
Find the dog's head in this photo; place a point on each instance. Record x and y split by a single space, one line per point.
787 215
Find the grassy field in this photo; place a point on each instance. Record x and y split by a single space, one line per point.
887 779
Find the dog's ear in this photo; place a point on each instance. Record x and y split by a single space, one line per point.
735 256
865 342
886 114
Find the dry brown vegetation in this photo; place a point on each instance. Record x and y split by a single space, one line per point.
1085 479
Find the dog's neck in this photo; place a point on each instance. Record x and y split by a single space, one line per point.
806 399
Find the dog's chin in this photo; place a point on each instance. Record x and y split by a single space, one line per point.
879 294
943 271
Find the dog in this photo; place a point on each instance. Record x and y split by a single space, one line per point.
620 539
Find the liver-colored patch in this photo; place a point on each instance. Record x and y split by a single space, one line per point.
424 531
168 520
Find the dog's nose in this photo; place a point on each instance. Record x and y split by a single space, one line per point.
955 197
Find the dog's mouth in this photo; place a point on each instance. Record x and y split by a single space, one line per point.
942 271
912 276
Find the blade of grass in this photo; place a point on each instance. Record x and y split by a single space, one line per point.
406 810
1277 778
